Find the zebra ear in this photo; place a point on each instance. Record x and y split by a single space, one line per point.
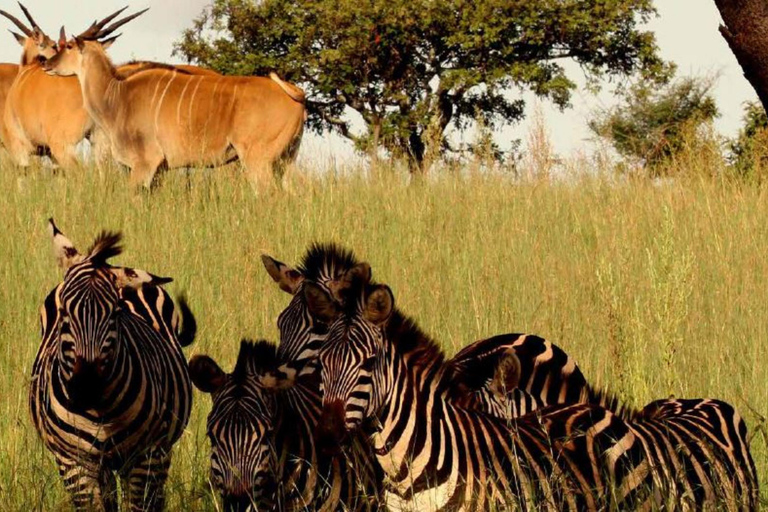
136 278
288 278
280 379
321 305
379 305
506 375
206 374
359 274
63 250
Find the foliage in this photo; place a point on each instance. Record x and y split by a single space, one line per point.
653 122
403 65
749 150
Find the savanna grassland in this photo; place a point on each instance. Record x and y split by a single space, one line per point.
656 289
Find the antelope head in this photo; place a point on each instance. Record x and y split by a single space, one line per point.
36 45
96 38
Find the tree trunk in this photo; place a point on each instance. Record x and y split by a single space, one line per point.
745 29
416 150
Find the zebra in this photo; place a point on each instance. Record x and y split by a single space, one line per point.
110 391
262 433
377 365
548 375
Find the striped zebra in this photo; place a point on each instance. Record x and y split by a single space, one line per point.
262 433
547 374
110 391
376 365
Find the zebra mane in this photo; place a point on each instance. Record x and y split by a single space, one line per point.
611 401
326 261
255 358
407 336
105 246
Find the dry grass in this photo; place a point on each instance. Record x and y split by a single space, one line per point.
656 289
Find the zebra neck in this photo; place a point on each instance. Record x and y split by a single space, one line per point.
408 421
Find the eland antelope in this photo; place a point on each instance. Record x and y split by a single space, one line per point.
159 118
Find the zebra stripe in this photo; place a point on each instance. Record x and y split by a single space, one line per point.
262 432
437 455
548 374
376 364
110 391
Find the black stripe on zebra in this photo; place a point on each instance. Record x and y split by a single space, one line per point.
377 365
110 391
548 374
262 433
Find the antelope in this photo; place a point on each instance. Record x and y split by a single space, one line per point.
166 118
35 45
42 111
101 147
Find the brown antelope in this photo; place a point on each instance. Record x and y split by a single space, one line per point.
35 45
159 118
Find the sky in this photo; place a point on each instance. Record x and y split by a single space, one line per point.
686 32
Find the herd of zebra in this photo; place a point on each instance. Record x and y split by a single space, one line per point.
356 408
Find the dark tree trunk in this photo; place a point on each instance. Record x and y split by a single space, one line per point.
416 150
745 29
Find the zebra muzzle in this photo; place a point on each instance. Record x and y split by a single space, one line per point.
332 429
85 386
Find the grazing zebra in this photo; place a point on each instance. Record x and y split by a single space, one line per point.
110 391
547 374
376 365
262 432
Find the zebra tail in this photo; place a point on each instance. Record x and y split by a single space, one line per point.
188 330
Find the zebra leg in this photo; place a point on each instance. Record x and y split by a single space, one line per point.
143 483
90 487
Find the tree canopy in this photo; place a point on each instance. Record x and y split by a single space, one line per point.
413 68
652 122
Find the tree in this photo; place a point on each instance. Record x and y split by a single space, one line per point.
745 29
651 122
749 150
406 66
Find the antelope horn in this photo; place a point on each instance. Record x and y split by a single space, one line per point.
29 16
98 31
22 27
119 23
91 31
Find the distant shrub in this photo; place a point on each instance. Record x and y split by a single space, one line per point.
654 122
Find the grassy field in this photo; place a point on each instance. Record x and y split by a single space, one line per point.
656 290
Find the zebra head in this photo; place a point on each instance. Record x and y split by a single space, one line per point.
301 333
242 423
353 357
88 303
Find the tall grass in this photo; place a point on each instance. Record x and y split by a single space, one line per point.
656 289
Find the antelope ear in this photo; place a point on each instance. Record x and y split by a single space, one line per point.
136 278
206 374
288 278
63 250
379 305
506 375
106 43
19 38
80 43
321 305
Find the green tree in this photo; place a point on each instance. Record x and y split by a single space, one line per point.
408 66
652 122
749 150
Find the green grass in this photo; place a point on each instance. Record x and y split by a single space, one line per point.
656 290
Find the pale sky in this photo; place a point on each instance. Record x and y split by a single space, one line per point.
686 32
